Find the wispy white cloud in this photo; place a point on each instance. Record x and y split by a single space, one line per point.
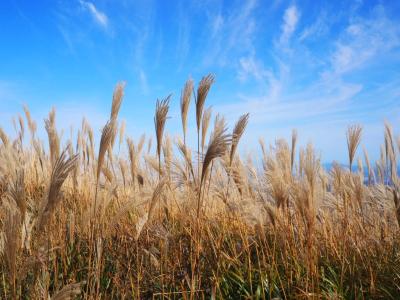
243 25
249 66
290 19
270 80
327 101
184 35
217 24
316 29
100 17
321 99
67 38
144 86
271 83
363 40
142 29
231 35
73 28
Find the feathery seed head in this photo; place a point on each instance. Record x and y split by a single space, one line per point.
31 124
353 140
238 130
3 137
216 148
202 91
105 142
117 100
160 118
61 169
186 96
54 140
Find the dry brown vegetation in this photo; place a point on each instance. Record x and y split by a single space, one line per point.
163 224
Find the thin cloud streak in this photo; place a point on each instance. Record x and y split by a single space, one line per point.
230 35
98 16
290 19
317 29
143 82
363 40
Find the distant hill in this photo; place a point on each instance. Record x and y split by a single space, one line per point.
328 167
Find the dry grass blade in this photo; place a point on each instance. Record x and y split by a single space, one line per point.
153 163
54 141
202 91
271 211
122 167
217 148
263 150
122 132
3 137
132 157
61 169
186 96
293 149
167 150
398 143
237 173
371 175
141 143
149 144
238 130
105 141
311 166
22 128
204 126
31 124
141 221
108 174
187 156
17 192
12 242
219 125
353 140
390 152
89 132
156 196
396 200
160 118
117 100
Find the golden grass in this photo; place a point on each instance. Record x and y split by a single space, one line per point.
136 224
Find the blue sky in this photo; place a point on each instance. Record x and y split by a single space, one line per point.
314 66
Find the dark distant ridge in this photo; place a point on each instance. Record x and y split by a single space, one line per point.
328 167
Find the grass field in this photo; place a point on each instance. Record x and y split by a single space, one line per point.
153 219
